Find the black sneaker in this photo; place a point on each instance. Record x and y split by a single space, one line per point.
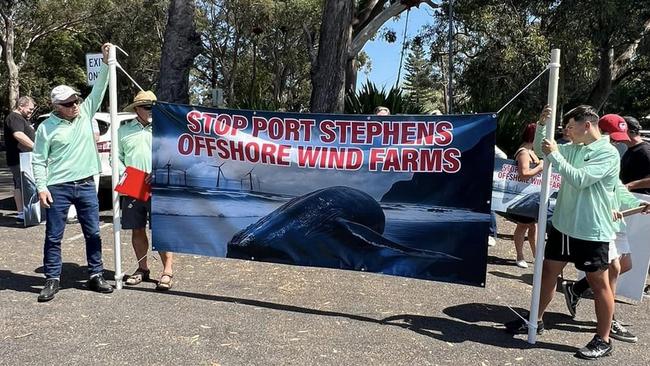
570 297
646 291
50 289
99 284
596 348
519 326
620 333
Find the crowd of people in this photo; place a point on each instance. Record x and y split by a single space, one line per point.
65 161
587 227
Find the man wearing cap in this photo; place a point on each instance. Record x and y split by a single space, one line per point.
134 141
619 252
19 136
65 160
582 224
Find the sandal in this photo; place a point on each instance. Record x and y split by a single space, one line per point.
164 285
137 277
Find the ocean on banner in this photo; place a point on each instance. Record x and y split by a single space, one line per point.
216 215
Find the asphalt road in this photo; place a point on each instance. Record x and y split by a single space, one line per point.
231 312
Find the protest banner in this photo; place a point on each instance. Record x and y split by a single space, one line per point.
514 196
31 204
399 195
631 284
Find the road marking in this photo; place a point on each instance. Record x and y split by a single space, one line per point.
79 236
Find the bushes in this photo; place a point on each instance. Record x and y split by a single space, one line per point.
365 100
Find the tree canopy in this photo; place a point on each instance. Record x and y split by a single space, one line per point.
264 53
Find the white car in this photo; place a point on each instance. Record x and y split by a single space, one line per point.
101 125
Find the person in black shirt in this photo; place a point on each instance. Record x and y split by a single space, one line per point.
19 137
635 163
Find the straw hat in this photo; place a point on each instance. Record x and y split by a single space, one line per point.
142 98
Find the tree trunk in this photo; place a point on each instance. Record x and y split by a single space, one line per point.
230 90
13 81
351 73
182 44
600 92
611 71
328 74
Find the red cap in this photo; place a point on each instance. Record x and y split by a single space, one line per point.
615 126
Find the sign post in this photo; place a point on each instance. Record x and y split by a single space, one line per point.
554 68
93 63
112 93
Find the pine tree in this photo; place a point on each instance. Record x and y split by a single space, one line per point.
418 82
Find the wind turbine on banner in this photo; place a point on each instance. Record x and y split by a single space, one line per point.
184 177
250 179
163 167
220 173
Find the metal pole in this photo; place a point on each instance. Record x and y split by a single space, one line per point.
450 48
112 94
554 72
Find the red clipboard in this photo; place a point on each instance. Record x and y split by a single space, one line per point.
133 184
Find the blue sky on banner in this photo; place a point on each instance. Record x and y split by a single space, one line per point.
385 56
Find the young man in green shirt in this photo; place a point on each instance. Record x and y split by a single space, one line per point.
134 139
619 252
64 161
583 223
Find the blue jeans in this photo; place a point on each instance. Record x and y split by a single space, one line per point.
84 197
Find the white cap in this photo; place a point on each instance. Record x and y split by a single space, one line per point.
62 93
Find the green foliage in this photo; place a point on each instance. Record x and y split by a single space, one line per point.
258 105
369 97
255 50
500 46
509 128
58 57
419 82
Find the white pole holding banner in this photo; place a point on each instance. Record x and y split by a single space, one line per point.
112 94
554 72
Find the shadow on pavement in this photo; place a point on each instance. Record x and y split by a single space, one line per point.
526 278
444 329
463 327
500 261
72 276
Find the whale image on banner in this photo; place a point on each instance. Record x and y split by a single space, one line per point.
398 195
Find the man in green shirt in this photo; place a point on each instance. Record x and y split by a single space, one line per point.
134 141
582 224
64 161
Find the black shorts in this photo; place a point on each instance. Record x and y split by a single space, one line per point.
15 174
518 219
588 256
135 213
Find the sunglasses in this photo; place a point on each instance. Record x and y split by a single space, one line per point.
70 104
146 107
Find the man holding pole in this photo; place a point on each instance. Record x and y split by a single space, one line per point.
65 160
619 255
582 224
